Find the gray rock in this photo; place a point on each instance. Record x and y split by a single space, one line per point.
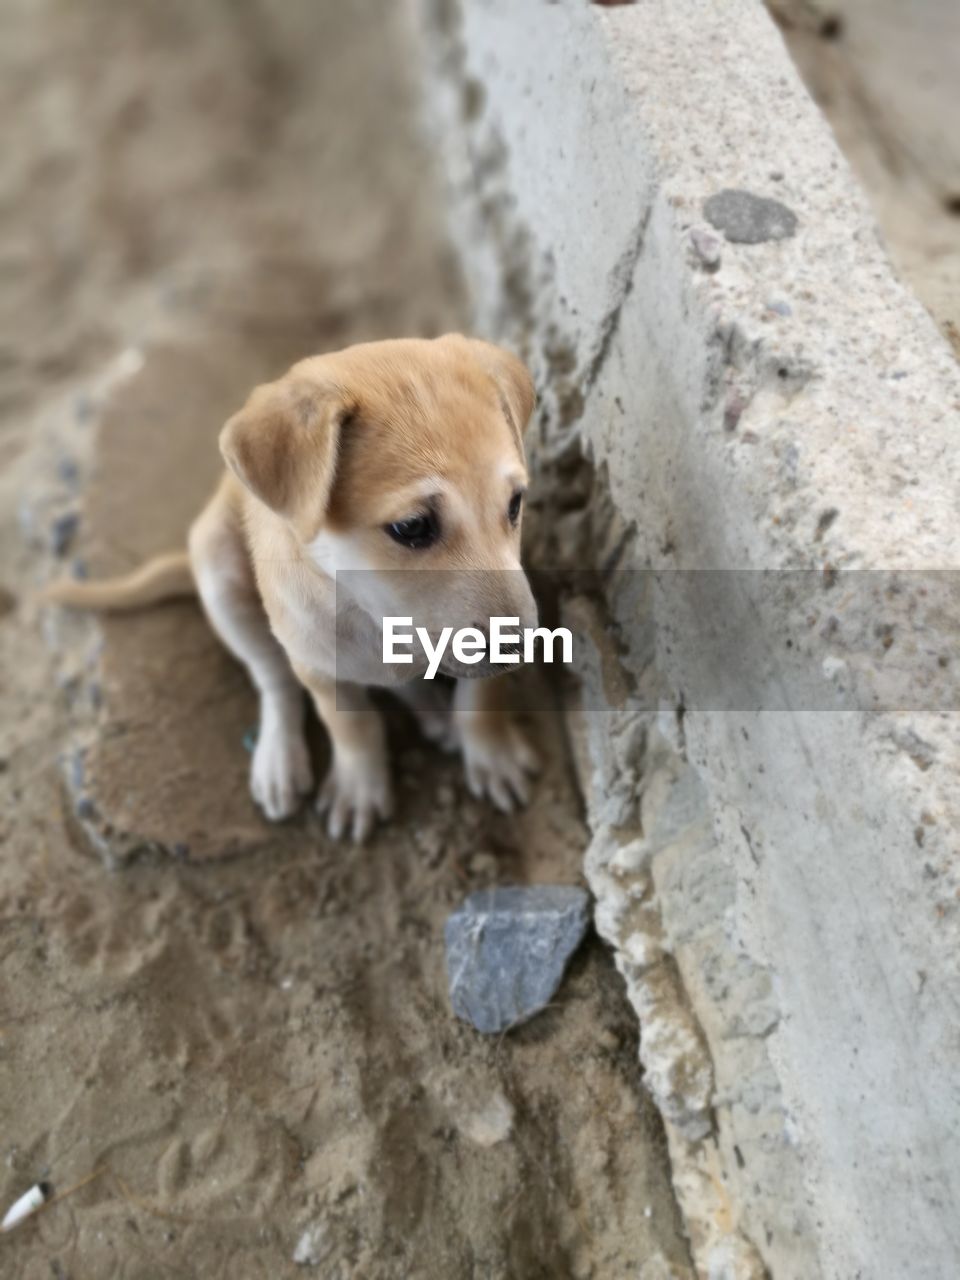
748 219
507 949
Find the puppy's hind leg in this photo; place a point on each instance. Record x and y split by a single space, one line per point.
280 772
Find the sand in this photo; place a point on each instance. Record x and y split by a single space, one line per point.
886 75
229 1046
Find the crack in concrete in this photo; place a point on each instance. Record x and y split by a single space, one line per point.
622 278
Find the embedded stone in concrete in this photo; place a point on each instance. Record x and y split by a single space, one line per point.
748 219
706 248
507 949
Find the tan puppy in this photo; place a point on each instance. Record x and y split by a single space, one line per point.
348 473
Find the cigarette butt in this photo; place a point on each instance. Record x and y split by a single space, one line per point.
28 1203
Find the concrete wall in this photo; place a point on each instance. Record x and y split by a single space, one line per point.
775 866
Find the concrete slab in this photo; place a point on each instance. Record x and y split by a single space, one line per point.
773 406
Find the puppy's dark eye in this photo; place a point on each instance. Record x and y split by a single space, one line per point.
416 532
513 511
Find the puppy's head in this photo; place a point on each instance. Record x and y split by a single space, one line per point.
391 458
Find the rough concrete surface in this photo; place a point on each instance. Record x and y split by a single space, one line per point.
780 885
247 1065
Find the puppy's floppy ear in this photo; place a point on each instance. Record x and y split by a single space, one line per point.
514 383
282 446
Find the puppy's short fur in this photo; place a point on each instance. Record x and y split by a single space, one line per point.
377 460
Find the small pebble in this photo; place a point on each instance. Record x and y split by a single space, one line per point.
707 249
68 471
733 411
313 1246
63 531
490 1123
77 770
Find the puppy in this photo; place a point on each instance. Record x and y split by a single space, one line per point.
348 480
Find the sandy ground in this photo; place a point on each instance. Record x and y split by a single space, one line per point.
236 1048
887 76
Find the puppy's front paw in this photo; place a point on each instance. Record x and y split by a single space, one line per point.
498 760
280 773
356 793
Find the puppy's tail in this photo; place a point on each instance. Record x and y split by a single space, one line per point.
162 578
